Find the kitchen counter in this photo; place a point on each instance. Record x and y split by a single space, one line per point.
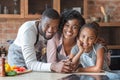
62 76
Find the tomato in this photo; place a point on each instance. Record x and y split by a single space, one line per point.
19 69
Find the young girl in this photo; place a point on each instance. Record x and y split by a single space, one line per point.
88 52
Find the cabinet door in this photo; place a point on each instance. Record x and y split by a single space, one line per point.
11 8
34 8
79 5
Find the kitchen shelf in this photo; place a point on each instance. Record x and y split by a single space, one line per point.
7 16
113 46
109 24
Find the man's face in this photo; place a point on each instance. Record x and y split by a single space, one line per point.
49 27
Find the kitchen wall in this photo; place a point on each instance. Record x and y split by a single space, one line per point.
9 27
8 30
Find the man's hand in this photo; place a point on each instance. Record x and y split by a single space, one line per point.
62 67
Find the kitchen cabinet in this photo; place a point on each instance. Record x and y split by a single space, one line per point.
111 34
7 8
115 59
34 8
27 8
80 5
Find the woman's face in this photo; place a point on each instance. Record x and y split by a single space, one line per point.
87 37
71 28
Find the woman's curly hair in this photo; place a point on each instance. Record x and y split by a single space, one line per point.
69 15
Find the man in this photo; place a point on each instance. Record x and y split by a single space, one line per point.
23 50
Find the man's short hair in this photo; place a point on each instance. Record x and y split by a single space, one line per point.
51 13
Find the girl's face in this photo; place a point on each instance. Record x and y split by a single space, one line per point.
71 29
87 37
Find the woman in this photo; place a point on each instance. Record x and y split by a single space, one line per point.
59 47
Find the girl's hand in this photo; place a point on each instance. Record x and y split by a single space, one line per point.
80 45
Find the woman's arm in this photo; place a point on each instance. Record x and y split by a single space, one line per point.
99 63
